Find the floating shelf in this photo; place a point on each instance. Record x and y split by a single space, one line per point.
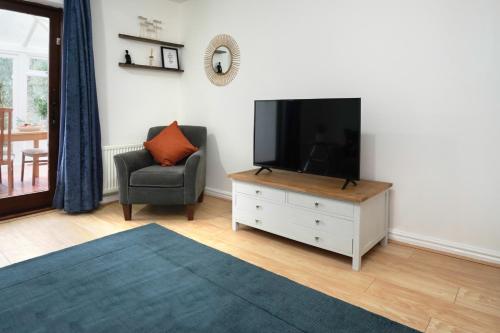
158 68
149 40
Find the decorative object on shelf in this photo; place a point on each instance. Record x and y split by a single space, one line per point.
151 58
222 60
143 25
169 57
128 59
157 28
149 28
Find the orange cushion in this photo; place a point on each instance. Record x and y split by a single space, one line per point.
170 146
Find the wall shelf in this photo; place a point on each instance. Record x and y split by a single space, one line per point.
122 64
149 40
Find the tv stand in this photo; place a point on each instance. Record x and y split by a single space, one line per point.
347 181
314 210
262 169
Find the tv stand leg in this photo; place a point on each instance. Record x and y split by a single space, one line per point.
262 169
347 181
356 263
235 226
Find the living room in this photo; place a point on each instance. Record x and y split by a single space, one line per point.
427 77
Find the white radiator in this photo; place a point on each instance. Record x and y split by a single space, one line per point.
108 165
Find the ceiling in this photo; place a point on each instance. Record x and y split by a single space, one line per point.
23 32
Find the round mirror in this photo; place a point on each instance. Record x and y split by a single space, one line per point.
221 60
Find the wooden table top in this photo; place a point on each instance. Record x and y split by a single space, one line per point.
314 184
29 136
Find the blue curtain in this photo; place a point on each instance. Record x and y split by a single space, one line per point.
79 174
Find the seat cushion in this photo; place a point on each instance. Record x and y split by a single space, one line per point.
170 146
158 176
36 151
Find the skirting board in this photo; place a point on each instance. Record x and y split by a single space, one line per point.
455 249
110 197
226 195
113 196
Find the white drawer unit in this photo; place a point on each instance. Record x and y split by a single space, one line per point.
319 213
258 191
319 204
320 222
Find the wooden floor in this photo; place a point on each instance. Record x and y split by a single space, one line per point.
25 187
424 290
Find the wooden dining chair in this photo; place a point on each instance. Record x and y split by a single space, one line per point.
6 156
35 154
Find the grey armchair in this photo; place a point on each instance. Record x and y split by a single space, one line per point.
142 181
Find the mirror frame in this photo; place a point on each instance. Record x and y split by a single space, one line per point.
228 42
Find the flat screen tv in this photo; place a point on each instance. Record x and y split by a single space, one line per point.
317 136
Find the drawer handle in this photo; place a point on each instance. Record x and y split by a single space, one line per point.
317 222
257 192
257 206
258 221
316 204
316 239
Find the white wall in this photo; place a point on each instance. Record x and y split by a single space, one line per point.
428 73
132 100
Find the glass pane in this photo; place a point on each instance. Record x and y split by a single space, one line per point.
25 90
39 64
38 88
6 71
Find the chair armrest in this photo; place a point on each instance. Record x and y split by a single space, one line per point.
127 163
194 176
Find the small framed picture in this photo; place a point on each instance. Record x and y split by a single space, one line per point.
169 57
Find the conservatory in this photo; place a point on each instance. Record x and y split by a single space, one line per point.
24 45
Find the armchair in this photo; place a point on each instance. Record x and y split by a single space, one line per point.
142 181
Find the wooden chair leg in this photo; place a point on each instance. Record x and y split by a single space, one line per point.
200 198
127 212
35 170
190 212
10 175
23 160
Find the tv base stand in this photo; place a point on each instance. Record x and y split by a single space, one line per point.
347 181
314 210
262 169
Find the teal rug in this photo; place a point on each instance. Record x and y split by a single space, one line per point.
151 279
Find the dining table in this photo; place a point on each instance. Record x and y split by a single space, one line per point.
35 136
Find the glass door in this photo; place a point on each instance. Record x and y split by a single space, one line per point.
29 105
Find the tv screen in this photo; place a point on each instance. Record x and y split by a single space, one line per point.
318 136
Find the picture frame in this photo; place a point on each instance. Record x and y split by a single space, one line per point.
170 58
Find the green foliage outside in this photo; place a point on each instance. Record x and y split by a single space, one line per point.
6 70
39 65
38 88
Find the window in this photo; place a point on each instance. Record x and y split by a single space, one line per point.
6 75
38 87
37 64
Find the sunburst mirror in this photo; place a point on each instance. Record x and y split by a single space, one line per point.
222 60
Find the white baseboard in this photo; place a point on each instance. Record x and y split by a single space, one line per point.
226 195
454 248
109 197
